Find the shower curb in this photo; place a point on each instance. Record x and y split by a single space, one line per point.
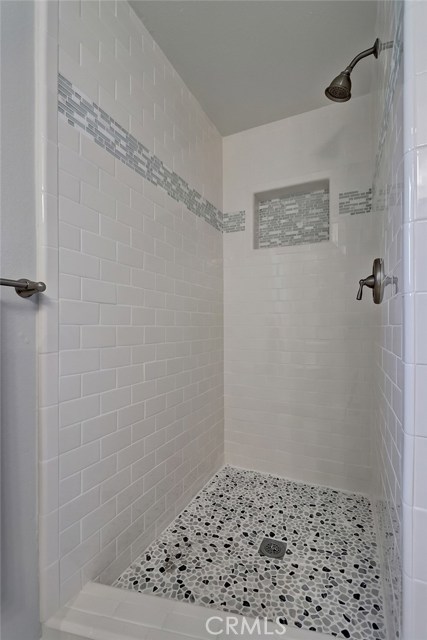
100 612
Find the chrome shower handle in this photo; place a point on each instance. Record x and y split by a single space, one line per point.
376 282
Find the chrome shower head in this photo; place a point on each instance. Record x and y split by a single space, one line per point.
340 88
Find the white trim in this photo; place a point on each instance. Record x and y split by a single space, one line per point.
100 612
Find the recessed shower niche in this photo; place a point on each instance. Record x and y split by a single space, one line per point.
289 216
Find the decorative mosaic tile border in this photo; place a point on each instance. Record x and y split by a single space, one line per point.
232 222
395 65
293 219
81 112
355 202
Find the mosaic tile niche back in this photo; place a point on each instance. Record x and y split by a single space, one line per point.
327 581
293 219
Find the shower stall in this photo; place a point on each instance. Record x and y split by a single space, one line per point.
230 346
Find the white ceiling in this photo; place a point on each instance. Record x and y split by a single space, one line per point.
251 62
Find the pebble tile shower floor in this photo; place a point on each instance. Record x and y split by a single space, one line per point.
328 580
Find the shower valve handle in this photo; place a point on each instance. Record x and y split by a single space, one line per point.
365 282
375 281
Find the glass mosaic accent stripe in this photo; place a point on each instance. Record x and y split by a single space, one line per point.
293 219
81 112
235 221
355 202
392 81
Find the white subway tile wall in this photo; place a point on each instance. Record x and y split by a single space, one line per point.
139 407
413 439
298 346
80 112
131 327
107 53
46 70
387 203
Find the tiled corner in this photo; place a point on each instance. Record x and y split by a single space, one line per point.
355 202
233 222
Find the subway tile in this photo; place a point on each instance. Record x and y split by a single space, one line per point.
115 399
95 521
115 442
98 381
79 361
99 246
130 414
115 526
108 223
130 335
115 357
419 536
95 154
115 484
420 323
70 287
69 387
129 256
98 427
114 272
69 438
75 560
97 200
75 263
96 336
420 243
115 230
97 291
115 314
69 539
78 459
69 489
77 508
78 215
420 401
71 162
78 410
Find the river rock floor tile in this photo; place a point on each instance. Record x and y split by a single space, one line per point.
328 581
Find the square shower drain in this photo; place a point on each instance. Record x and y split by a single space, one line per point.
272 548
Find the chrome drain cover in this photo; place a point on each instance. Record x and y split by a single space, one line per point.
272 548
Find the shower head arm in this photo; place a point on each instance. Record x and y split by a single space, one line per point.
340 88
372 51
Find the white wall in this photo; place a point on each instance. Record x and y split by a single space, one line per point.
388 204
298 346
401 449
414 231
139 358
106 51
19 550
